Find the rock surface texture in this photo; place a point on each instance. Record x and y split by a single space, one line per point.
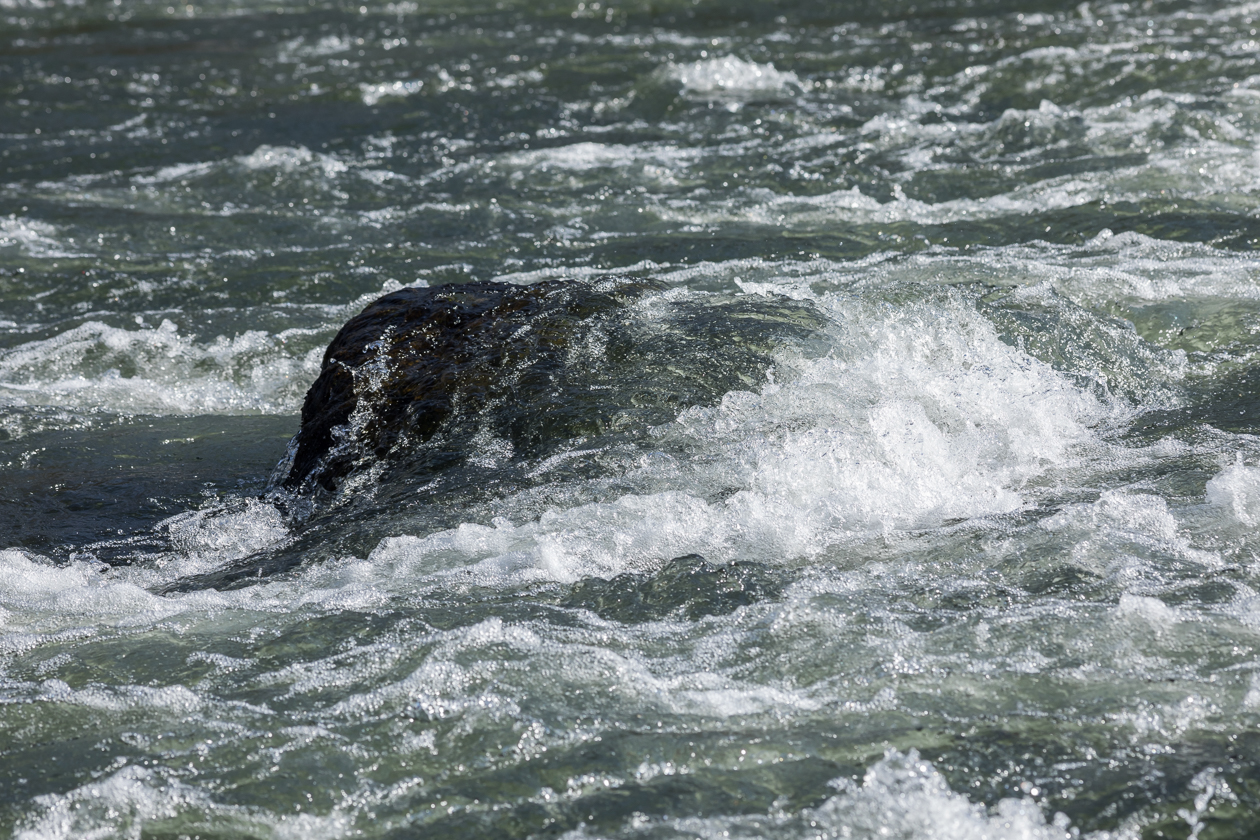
454 359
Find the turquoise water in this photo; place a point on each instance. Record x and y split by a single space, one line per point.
924 497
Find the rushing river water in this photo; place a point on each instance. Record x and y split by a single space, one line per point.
924 501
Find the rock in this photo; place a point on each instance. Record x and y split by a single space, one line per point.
426 379
419 360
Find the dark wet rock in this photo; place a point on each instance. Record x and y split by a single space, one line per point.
404 367
687 587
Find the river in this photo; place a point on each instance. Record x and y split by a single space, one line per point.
925 507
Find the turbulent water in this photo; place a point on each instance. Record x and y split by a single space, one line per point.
923 501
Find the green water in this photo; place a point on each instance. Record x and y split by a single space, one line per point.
924 502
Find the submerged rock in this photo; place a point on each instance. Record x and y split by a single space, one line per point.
686 587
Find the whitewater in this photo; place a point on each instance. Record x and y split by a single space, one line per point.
924 493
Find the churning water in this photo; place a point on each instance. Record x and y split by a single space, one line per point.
951 533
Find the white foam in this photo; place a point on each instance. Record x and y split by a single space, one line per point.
176 172
582 156
902 797
39 599
37 596
125 803
298 48
1228 520
373 94
33 237
569 272
730 78
221 187
1133 268
175 698
1153 612
851 205
1210 159
1236 491
658 166
1120 534
465 675
207 538
167 372
290 158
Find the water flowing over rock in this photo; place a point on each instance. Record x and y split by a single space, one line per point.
426 378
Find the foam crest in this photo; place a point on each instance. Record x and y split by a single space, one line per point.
300 48
583 156
125 804
1127 537
35 595
917 416
160 371
32 237
284 159
1236 492
17 423
920 415
1229 522
136 801
204 539
464 674
904 796
901 797
291 180
173 698
1132 267
655 166
1157 147
733 79
851 205
1157 615
373 94
290 158
1070 337
1047 127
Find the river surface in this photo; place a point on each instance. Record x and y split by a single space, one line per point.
955 538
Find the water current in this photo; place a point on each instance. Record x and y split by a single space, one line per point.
927 508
